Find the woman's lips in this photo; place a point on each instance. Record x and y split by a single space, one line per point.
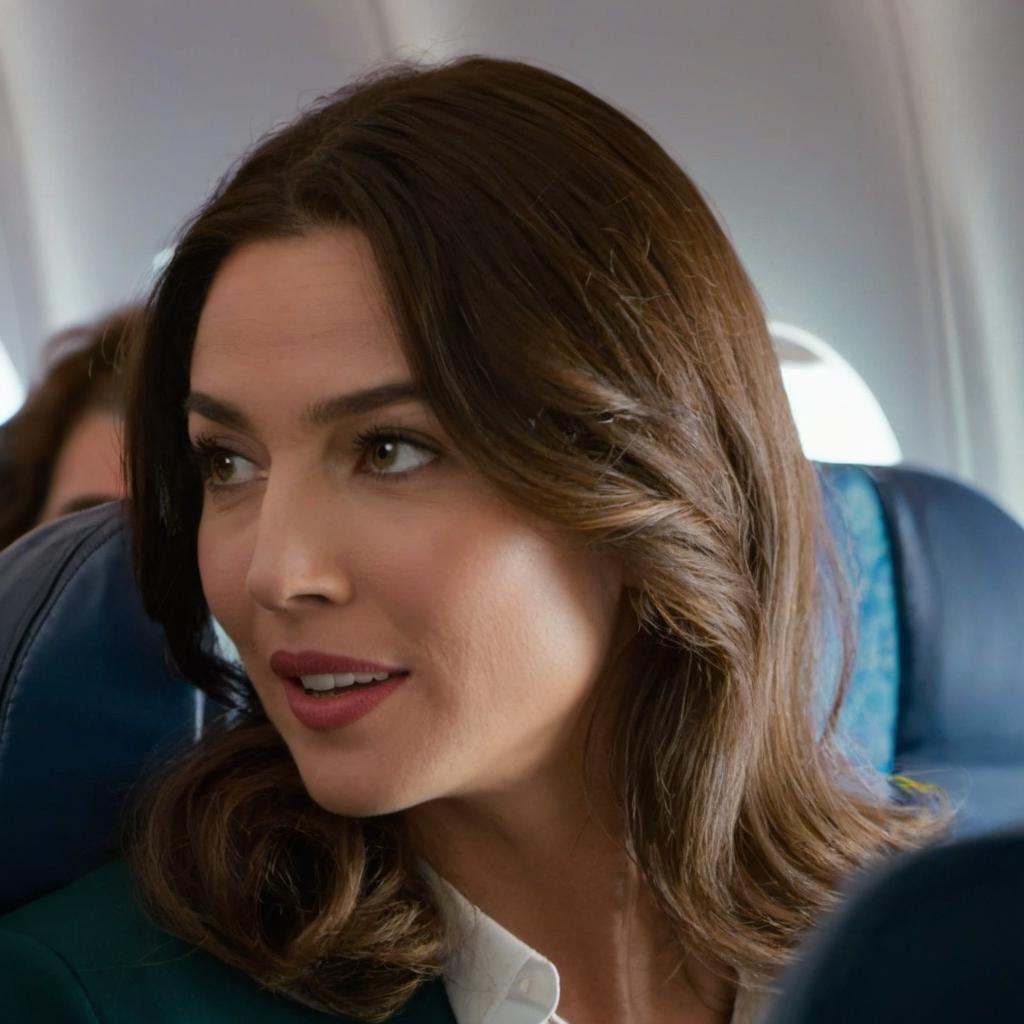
338 708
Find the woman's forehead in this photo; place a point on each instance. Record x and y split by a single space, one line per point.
316 299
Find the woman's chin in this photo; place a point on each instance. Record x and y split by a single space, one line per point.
355 798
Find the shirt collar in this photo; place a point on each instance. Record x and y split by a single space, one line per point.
493 977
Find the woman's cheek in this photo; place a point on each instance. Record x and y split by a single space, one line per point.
222 574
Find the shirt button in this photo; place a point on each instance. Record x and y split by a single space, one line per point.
525 985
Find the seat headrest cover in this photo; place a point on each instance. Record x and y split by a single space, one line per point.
867 720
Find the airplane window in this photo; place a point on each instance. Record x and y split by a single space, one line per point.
837 416
12 391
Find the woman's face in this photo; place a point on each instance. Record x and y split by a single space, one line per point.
315 542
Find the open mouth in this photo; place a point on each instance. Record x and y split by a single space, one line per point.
335 707
341 689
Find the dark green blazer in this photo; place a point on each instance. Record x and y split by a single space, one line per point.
87 955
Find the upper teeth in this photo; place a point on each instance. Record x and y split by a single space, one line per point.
328 680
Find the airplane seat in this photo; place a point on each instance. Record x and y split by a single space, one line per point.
88 700
958 561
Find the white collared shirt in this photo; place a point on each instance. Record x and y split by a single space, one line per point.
495 978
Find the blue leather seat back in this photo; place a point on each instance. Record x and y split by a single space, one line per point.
86 699
959 567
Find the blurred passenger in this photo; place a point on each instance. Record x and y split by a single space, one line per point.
61 452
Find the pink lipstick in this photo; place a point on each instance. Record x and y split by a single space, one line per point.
338 707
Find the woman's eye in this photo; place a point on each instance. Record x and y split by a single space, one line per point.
228 469
384 452
387 454
220 467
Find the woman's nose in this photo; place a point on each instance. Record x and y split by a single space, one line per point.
296 557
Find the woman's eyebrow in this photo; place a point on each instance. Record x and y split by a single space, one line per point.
319 414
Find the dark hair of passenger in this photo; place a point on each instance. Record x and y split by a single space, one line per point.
546 260
80 374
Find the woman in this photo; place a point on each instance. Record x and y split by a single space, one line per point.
61 452
457 376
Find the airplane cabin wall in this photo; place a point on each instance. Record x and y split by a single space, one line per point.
966 63
864 158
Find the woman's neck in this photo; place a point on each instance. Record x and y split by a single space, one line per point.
555 873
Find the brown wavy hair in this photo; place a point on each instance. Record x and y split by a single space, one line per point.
546 260
81 372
